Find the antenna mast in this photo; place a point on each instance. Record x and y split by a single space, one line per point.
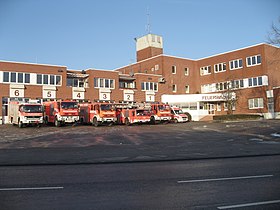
148 27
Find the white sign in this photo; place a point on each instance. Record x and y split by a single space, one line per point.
16 92
80 95
150 96
49 94
128 97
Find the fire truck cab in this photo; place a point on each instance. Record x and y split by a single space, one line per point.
161 113
98 113
178 115
61 112
25 113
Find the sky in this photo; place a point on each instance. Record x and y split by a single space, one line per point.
99 34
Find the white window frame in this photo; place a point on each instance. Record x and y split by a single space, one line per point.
149 86
220 67
174 88
186 71
205 70
101 82
249 60
233 66
255 103
173 69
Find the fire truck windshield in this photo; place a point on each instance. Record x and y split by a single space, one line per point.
178 111
106 107
69 105
31 108
163 107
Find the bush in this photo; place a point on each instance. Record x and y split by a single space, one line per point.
233 117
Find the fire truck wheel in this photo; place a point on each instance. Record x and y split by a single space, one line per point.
46 121
20 124
57 123
95 122
175 121
153 121
126 121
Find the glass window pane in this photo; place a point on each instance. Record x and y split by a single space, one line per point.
13 77
101 83
58 80
259 80
254 60
106 83
112 83
75 82
6 77
255 81
52 79
249 61
147 86
26 78
142 86
20 77
250 82
240 63
46 79
259 59
39 78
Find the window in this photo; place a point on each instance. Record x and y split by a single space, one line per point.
186 71
205 70
236 64
51 79
255 81
13 77
220 67
174 88
255 103
26 78
157 67
6 77
101 83
39 78
254 60
58 80
46 79
149 86
173 69
187 89
20 78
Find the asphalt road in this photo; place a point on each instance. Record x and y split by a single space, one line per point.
232 183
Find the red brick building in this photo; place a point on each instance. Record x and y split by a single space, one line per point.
251 75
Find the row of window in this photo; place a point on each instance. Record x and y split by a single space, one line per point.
174 70
104 83
31 78
235 84
233 65
153 86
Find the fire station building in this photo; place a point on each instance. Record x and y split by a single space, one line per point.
251 75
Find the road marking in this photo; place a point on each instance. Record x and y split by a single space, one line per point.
224 179
31 188
249 204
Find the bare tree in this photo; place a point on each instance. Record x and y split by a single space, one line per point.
274 34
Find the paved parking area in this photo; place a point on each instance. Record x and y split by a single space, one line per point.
265 131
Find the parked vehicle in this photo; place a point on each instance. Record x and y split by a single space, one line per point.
132 114
178 115
25 113
161 113
61 112
98 113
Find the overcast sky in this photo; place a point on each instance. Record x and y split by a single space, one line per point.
83 34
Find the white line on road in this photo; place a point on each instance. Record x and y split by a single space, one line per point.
249 204
224 179
31 188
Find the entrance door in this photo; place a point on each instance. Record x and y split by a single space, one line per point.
211 108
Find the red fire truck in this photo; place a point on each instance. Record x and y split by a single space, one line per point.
61 112
98 113
161 113
131 114
25 113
